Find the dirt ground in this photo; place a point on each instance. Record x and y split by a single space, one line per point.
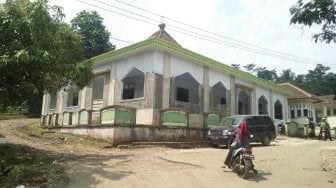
288 162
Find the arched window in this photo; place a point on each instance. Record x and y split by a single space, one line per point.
133 84
278 111
186 89
72 96
53 100
218 95
98 85
262 106
244 106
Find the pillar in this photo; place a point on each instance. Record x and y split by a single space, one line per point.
233 95
271 109
206 90
166 80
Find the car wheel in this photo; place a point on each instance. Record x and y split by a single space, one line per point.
266 141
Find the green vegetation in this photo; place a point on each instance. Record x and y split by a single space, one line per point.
316 12
22 165
317 81
59 138
39 52
95 38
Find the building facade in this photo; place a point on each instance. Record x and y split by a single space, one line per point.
156 75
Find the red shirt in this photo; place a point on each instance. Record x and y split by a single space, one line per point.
243 132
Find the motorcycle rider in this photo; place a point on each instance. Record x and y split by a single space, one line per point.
311 127
242 138
324 124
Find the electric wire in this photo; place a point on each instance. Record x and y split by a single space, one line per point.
223 36
180 30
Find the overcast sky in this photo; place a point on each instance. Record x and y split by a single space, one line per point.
263 23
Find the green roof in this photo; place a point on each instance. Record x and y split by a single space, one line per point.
156 41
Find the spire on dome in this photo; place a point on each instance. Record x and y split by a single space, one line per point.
162 33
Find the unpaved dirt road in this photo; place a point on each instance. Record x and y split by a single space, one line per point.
288 162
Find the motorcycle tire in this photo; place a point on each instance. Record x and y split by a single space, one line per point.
243 172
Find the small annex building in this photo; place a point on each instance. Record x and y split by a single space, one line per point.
157 90
304 105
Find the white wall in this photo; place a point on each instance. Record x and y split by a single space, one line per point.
180 66
260 91
244 82
144 62
216 76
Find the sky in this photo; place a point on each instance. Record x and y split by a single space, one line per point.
262 23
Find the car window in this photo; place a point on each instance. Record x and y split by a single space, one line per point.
251 121
231 121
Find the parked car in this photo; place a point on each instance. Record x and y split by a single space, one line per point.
260 126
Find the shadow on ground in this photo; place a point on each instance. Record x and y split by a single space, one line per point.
31 167
85 171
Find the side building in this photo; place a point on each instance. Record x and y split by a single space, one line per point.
156 84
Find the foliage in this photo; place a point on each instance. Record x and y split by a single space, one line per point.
38 53
320 12
22 165
95 38
236 66
261 72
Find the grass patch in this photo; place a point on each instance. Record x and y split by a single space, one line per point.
22 165
6 116
63 138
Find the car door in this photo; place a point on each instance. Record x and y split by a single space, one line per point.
253 128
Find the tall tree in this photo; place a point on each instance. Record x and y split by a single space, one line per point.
264 73
286 76
320 12
236 66
38 53
316 80
95 38
250 67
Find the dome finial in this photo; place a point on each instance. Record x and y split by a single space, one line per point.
162 26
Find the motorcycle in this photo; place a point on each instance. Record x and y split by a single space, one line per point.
241 161
323 134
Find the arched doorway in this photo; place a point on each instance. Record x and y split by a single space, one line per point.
244 103
218 95
278 110
262 106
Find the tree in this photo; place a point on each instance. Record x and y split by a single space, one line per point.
263 73
316 12
287 76
236 66
95 38
38 53
250 67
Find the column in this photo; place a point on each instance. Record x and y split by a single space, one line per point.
324 110
254 101
233 96
111 99
44 104
166 80
271 109
206 92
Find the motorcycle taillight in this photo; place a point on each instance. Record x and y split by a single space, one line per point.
248 150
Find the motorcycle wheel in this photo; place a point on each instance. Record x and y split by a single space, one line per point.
244 168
